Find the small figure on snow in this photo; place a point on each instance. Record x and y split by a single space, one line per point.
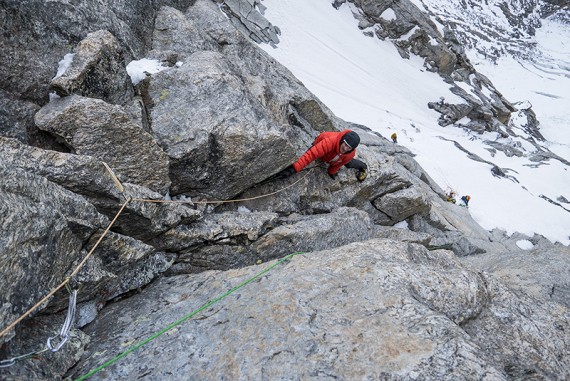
465 200
334 148
394 138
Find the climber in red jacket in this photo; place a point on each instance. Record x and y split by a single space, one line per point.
334 148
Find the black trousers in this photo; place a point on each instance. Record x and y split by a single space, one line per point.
356 164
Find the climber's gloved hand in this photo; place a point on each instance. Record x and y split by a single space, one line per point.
361 175
290 170
333 175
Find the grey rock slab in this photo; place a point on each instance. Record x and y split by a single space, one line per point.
44 228
174 32
372 310
216 228
102 130
87 176
542 272
317 232
402 234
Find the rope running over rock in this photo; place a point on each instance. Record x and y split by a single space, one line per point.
67 325
226 201
183 319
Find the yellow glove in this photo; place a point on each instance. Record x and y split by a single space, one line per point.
361 175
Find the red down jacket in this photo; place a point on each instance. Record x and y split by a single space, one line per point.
326 147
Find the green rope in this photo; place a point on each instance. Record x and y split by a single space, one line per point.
183 319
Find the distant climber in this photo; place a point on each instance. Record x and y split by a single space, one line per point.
451 196
466 200
394 138
334 148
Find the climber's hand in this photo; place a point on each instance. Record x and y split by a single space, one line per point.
290 170
361 175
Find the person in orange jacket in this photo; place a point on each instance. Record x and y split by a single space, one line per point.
334 148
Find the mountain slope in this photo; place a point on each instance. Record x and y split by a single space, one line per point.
364 80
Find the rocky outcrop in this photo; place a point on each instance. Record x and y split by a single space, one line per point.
47 231
27 68
44 229
87 176
97 70
534 271
381 309
249 19
95 128
378 293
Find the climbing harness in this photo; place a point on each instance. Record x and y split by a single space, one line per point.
187 317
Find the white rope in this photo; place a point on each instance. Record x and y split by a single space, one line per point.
64 333
62 336
12 361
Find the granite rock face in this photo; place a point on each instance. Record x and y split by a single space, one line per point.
44 230
97 70
377 309
31 55
380 292
92 127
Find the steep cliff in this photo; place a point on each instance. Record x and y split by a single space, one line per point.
176 174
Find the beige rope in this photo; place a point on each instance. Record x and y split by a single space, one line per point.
67 279
119 185
225 201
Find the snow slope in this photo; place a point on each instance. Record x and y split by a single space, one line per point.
364 80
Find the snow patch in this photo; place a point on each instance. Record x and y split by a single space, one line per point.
137 69
64 64
402 225
525 244
243 210
388 14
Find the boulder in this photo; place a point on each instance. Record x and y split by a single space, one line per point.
206 122
402 204
102 130
97 70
